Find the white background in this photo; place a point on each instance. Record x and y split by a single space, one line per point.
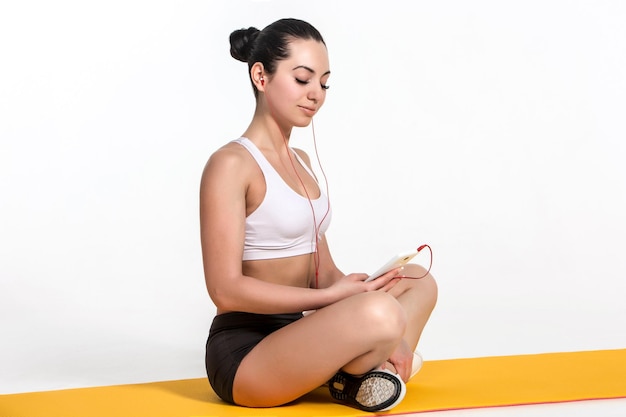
494 131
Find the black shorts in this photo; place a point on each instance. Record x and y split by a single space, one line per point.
231 338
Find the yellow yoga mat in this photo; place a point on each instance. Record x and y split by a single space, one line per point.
440 385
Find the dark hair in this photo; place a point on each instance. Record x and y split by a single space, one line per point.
270 45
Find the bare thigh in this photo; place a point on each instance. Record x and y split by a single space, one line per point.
356 334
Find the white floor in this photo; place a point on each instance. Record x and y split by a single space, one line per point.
596 408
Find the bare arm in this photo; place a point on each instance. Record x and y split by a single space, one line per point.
223 189
224 193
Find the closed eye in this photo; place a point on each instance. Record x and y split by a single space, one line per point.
305 82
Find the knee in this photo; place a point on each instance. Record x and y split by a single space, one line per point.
382 315
427 286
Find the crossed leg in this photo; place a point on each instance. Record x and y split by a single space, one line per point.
356 335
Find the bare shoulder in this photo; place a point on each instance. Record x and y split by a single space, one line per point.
231 164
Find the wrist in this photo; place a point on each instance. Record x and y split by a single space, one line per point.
327 296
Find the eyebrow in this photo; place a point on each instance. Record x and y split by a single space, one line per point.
309 69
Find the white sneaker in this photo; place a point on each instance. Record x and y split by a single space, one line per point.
417 364
377 390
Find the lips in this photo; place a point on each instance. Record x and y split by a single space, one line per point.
308 110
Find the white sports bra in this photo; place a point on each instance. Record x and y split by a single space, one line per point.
283 223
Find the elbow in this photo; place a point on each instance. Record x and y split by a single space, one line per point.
219 299
222 298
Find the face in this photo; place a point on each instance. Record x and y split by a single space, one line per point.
297 90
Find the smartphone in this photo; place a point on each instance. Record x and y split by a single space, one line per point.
395 262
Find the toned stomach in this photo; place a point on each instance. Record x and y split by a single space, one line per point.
294 271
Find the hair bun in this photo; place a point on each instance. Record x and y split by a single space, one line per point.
242 43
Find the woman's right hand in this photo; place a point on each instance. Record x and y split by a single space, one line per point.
353 284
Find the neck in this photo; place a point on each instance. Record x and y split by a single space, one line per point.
267 131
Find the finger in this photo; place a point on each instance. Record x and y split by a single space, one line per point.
386 277
359 276
390 284
406 372
386 284
400 370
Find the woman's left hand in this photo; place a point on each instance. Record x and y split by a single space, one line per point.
402 360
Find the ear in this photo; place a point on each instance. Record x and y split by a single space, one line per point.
257 75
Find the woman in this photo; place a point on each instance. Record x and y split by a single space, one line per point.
266 259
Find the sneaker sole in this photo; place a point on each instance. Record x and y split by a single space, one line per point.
347 388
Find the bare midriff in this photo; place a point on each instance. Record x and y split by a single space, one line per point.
294 271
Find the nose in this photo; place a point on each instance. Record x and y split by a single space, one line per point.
315 93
